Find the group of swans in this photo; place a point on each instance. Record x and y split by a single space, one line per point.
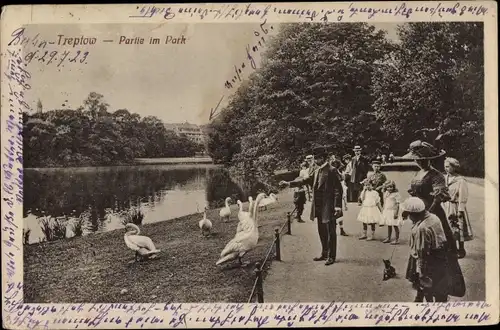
268 201
247 234
245 239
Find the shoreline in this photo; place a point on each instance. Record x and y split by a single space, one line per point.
139 162
183 272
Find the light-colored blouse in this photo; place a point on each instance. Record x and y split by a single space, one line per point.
458 190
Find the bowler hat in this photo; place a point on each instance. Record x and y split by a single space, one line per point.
422 150
322 150
346 156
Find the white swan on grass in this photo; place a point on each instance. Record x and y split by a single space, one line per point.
205 224
268 201
244 241
225 212
246 217
142 245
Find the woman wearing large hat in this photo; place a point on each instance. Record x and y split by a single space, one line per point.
429 185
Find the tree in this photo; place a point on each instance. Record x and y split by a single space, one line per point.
65 137
434 83
314 86
95 105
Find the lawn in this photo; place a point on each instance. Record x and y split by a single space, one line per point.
96 269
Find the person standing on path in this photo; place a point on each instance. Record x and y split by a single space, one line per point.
359 170
377 179
299 195
427 265
391 213
371 211
430 186
312 166
326 202
456 207
340 168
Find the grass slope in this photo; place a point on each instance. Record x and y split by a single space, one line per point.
95 268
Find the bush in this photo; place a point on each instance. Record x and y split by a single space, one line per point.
133 215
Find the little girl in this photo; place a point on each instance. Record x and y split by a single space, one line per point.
391 214
370 213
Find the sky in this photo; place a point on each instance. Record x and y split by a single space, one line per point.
174 82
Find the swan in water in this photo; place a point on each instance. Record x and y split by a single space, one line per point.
142 245
244 241
268 201
205 224
225 212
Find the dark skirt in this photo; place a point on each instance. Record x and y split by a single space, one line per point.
442 267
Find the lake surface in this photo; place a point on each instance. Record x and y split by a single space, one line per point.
104 194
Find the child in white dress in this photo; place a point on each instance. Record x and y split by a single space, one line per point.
370 213
391 213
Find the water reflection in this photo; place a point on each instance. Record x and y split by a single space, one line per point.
98 198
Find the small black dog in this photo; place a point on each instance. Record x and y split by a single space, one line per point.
389 271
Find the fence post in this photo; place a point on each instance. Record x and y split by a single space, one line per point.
259 288
277 242
289 223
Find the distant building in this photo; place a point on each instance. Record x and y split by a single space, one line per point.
191 131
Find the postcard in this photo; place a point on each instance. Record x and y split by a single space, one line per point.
249 165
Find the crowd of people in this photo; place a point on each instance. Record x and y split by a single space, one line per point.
436 208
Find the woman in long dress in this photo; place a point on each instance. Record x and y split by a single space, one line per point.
427 266
456 207
429 185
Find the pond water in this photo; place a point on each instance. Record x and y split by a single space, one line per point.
104 196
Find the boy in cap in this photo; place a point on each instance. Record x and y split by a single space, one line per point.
378 179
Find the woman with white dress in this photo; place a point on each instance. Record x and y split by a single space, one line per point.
456 207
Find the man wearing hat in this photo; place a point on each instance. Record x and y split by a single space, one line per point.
326 202
359 170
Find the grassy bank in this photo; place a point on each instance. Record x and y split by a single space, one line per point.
96 268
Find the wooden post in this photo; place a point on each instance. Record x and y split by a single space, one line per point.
259 289
289 223
277 242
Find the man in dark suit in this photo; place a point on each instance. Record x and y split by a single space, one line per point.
326 202
359 170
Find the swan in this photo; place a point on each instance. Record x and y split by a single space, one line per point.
250 205
244 241
267 201
205 224
243 217
225 212
142 245
246 217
